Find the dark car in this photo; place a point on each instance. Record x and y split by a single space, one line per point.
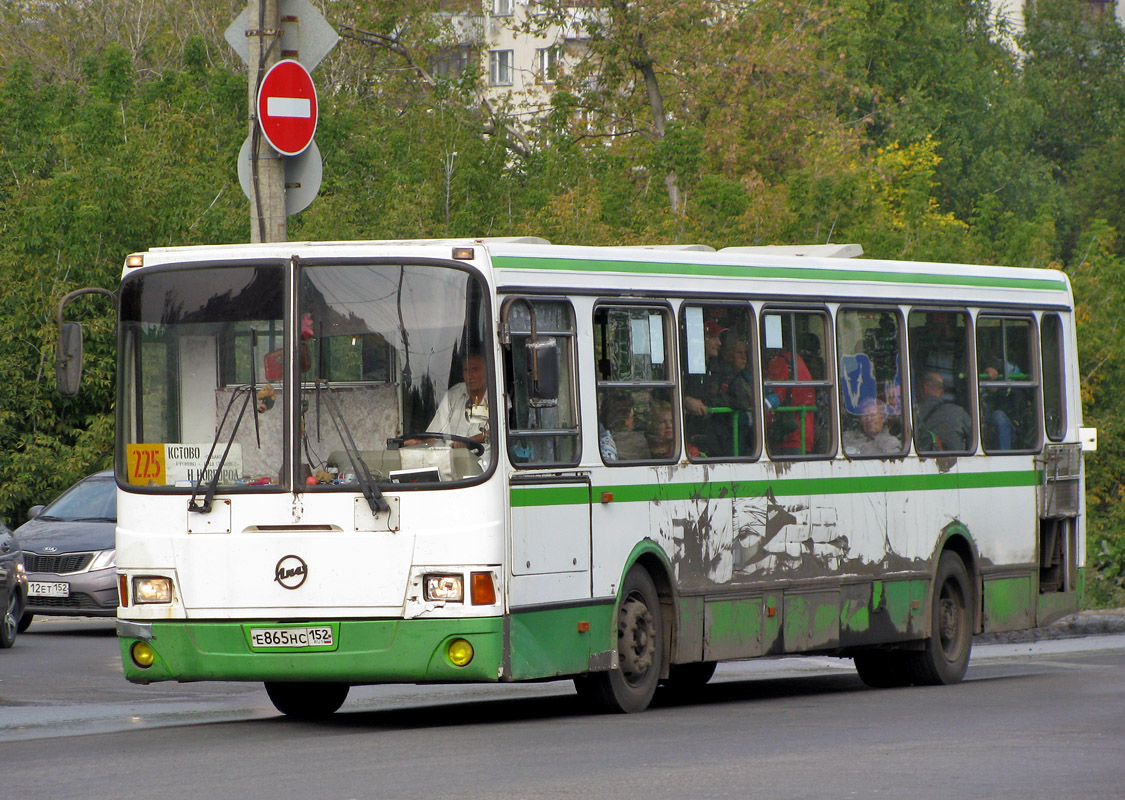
68 549
13 586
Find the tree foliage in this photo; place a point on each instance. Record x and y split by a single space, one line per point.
915 129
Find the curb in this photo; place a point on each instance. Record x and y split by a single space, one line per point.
1084 623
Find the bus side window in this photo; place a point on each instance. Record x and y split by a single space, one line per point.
1009 386
719 380
636 394
1054 380
872 420
797 391
541 435
939 380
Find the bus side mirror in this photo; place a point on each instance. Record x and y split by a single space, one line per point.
543 373
68 359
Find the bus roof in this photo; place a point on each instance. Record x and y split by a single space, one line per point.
823 271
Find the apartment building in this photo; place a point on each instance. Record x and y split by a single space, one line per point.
1011 12
519 51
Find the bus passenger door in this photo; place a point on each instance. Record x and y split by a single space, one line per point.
549 624
549 589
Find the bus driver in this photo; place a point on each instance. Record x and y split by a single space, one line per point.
464 409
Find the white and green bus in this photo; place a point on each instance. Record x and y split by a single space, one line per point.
499 460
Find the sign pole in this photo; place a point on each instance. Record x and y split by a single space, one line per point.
267 169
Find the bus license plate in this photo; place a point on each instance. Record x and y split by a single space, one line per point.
46 589
320 636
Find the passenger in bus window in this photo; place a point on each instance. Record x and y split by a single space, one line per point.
616 437
1000 406
707 430
796 404
944 353
661 432
742 396
870 437
939 424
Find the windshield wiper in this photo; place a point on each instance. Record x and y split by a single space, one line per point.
367 484
213 484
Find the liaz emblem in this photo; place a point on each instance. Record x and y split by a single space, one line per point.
291 572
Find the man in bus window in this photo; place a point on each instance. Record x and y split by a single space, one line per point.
871 437
705 392
939 424
1000 406
464 409
945 352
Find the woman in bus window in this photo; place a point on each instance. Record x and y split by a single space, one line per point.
661 432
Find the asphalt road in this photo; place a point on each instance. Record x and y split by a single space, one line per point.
1034 719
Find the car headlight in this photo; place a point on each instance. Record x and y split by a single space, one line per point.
104 559
152 590
449 588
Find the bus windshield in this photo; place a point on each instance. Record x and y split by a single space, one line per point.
391 361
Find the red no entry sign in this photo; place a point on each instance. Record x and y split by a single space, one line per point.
287 110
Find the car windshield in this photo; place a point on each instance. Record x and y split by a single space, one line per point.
382 353
89 499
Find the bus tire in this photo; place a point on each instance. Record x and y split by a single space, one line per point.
883 669
945 654
307 701
640 651
684 679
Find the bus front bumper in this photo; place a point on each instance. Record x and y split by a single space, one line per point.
360 651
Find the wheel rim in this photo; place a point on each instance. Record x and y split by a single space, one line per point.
953 624
636 639
11 621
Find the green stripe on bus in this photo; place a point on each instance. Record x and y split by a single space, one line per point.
522 497
795 273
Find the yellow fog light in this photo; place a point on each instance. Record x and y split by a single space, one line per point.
143 654
460 652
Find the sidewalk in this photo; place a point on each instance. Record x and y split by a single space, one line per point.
1084 623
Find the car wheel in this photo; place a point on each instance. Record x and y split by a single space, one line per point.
10 624
25 621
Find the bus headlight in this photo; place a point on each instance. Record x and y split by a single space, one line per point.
152 590
449 588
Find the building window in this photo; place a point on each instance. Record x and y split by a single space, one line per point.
547 64
452 62
500 68
501 8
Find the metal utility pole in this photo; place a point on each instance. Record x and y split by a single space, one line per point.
267 168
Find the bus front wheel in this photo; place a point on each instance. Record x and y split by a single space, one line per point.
307 700
945 654
640 651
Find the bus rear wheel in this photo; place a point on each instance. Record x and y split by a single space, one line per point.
945 654
640 651
882 669
307 701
